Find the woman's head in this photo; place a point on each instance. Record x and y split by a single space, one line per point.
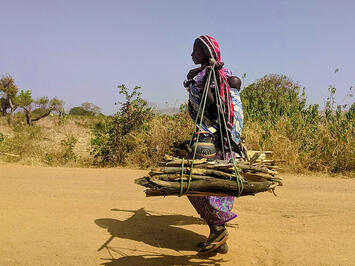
199 54
205 47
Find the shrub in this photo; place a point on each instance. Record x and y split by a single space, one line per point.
112 137
135 135
2 138
79 111
277 118
65 154
23 141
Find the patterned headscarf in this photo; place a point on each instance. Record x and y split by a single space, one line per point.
224 88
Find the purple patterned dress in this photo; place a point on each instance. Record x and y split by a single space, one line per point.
215 210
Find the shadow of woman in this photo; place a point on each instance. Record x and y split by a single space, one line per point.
163 260
155 230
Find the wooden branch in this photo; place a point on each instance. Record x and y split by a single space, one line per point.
42 116
212 185
178 162
215 177
256 168
254 157
195 171
177 177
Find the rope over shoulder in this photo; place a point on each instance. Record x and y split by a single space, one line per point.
200 115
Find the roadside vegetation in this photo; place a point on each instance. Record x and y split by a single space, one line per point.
277 118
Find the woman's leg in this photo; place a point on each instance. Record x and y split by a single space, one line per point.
216 211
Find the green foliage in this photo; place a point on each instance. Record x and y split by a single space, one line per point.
68 145
8 86
276 118
56 104
79 111
86 109
271 98
23 141
38 112
91 108
8 91
24 99
62 118
110 143
42 102
10 99
45 106
275 109
2 138
2 141
65 154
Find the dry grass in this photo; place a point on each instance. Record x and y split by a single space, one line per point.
281 146
321 151
68 143
35 145
150 146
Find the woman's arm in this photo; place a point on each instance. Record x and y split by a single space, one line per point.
193 72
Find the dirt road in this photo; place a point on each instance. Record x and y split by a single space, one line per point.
62 216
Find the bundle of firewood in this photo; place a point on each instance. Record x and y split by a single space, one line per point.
212 177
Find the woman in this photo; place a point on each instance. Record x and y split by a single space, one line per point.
216 211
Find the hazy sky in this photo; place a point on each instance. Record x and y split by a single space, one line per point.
81 50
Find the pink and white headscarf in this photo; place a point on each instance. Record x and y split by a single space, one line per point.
224 88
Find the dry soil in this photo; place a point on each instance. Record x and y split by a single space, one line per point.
63 216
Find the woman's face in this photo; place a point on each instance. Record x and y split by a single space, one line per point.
198 56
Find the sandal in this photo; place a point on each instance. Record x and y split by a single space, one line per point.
223 249
214 244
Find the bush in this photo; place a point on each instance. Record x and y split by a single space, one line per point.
23 141
80 111
65 154
111 140
135 135
277 119
2 138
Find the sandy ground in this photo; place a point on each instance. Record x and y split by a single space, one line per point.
63 216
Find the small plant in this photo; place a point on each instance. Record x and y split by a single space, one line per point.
65 155
23 141
62 117
2 138
68 145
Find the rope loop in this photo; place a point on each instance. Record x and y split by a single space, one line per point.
200 115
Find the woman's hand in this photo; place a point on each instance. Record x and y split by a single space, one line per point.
187 83
218 65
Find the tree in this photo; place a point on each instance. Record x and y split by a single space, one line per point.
91 108
25 101
8 91
86 109
77 110
271 98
